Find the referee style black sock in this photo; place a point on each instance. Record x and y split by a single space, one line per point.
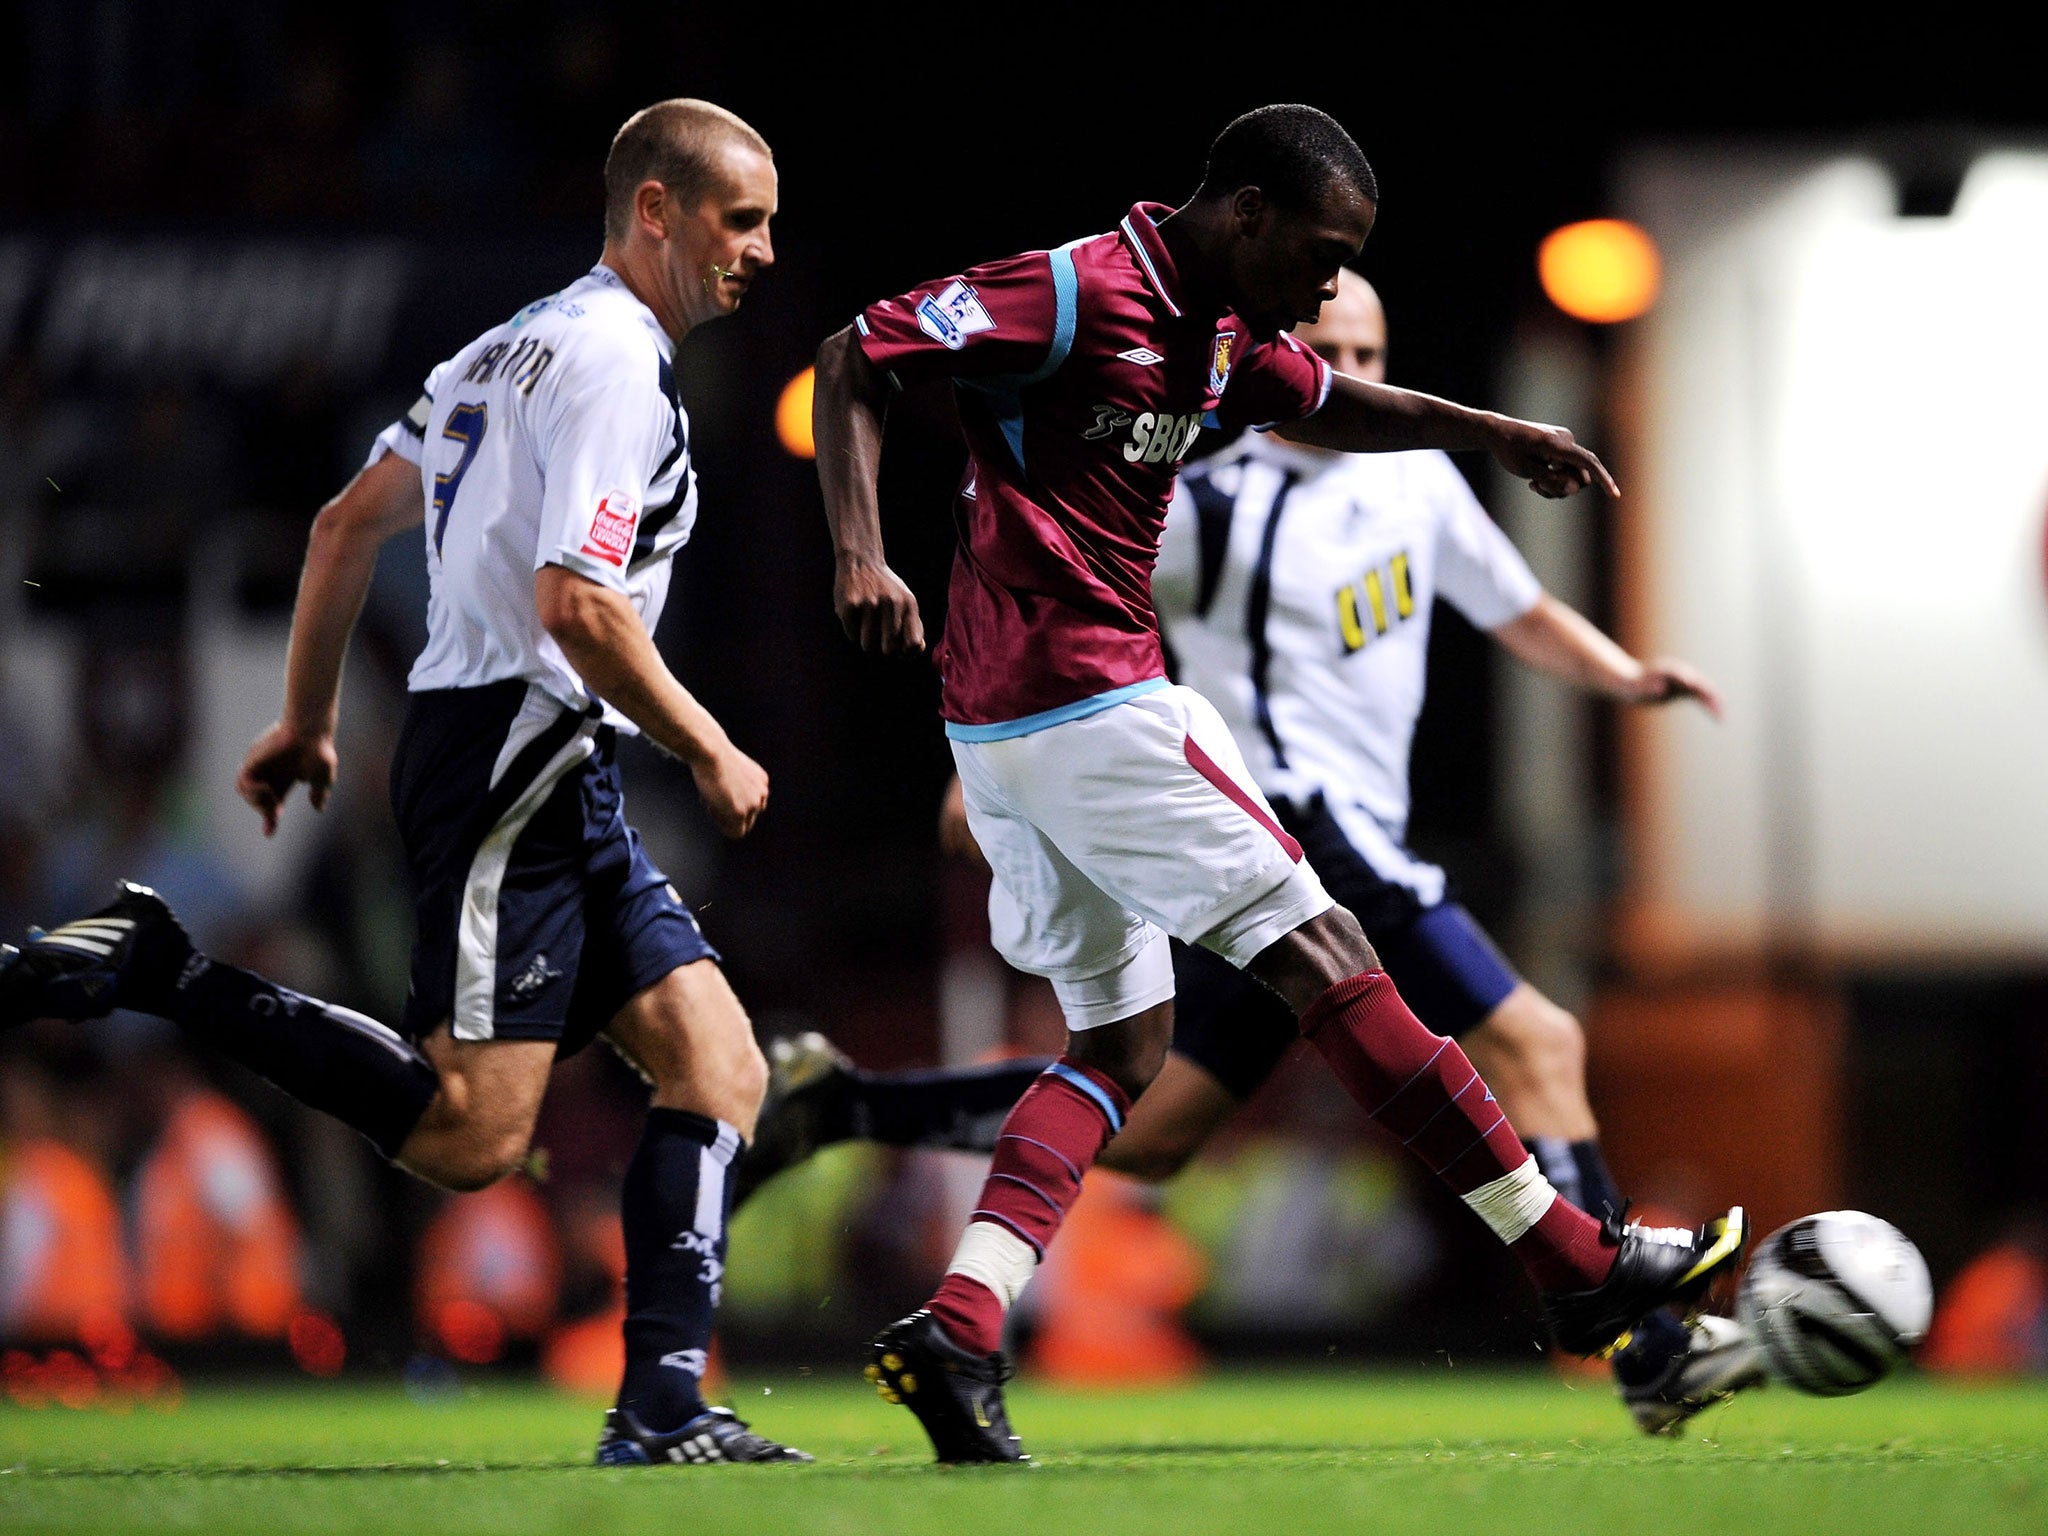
962 1108
1595 1182
674 1206
1578 1172
334 1059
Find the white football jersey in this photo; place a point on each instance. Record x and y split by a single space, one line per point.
1295 587
556 438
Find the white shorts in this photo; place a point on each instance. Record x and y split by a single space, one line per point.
1110 832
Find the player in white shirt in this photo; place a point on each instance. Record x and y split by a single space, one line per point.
548 469
1295 585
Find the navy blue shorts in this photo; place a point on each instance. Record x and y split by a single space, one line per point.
539 912
1447 969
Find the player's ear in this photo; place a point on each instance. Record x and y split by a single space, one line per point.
1248 207
650 209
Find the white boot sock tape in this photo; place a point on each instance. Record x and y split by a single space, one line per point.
996 1257
1514 1202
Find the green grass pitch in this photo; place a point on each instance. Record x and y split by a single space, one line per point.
1244 1453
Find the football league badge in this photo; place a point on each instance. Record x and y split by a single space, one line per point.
1219 361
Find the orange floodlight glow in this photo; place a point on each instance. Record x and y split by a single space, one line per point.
793 415
1603 270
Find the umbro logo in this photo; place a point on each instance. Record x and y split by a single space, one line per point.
1144 357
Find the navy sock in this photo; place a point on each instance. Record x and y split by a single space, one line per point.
1554 1159
674 1205
1595 1182
333 1059
958 1107
1655 1342
1578 1172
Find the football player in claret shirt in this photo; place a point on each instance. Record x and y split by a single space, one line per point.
1296 587
549 462
1113 807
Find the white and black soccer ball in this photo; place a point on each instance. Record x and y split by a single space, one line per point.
1834 1301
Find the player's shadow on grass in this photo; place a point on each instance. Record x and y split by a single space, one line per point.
364 1469
1180 1448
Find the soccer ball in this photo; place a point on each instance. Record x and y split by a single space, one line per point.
1834 1301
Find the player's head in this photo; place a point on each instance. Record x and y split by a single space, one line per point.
1293 198
689 190
1351 333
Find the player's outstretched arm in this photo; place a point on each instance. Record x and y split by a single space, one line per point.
604 639
1362 417
876 607
341 555
1556 638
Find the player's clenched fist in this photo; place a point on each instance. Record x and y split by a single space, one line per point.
877 610
734 789
280 758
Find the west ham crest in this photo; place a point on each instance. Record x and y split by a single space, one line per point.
1219 361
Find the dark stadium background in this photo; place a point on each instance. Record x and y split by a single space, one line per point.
465 140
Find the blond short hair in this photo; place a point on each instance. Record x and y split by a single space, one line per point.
673 142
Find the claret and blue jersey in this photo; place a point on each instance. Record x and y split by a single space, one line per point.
1084 375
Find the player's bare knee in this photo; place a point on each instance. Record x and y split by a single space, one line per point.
1307 962
465 1164
1538 1039
464 1175
1152 1055
701 1057
661 1055
1334 942
1129 1053
1553 1044
1131 1071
